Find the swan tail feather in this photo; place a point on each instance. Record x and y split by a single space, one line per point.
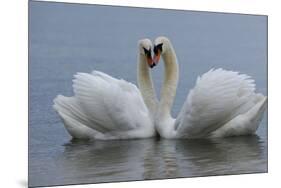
244 124
256 113
74 120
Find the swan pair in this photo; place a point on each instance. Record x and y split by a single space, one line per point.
222 103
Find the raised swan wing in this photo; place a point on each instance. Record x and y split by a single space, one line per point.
104 108
218 97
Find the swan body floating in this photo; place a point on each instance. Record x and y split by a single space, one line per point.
222 103
105 108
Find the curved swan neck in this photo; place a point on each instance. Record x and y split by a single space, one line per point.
146 85
169 87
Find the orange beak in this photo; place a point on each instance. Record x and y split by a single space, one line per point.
150 62
156 58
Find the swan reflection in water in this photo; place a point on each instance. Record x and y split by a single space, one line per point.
125 160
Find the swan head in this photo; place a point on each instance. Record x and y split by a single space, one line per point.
161 44
145 48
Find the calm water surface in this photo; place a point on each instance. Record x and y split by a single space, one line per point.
66 38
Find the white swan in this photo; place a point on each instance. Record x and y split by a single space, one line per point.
107 108
222 103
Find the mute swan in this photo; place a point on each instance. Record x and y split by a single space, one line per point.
107 108
222 103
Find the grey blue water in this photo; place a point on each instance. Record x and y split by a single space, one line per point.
69 38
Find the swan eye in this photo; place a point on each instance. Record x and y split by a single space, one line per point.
147 52
157 48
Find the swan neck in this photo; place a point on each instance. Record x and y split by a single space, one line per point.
169 87
146 85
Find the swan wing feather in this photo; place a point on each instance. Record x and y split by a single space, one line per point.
114 103
217 97
102 106
74 119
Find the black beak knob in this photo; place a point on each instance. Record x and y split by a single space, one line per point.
152 65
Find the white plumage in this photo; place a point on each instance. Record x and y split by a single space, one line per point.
104 108
222 103
219 99
107 108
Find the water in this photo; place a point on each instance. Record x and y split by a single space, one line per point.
67 38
